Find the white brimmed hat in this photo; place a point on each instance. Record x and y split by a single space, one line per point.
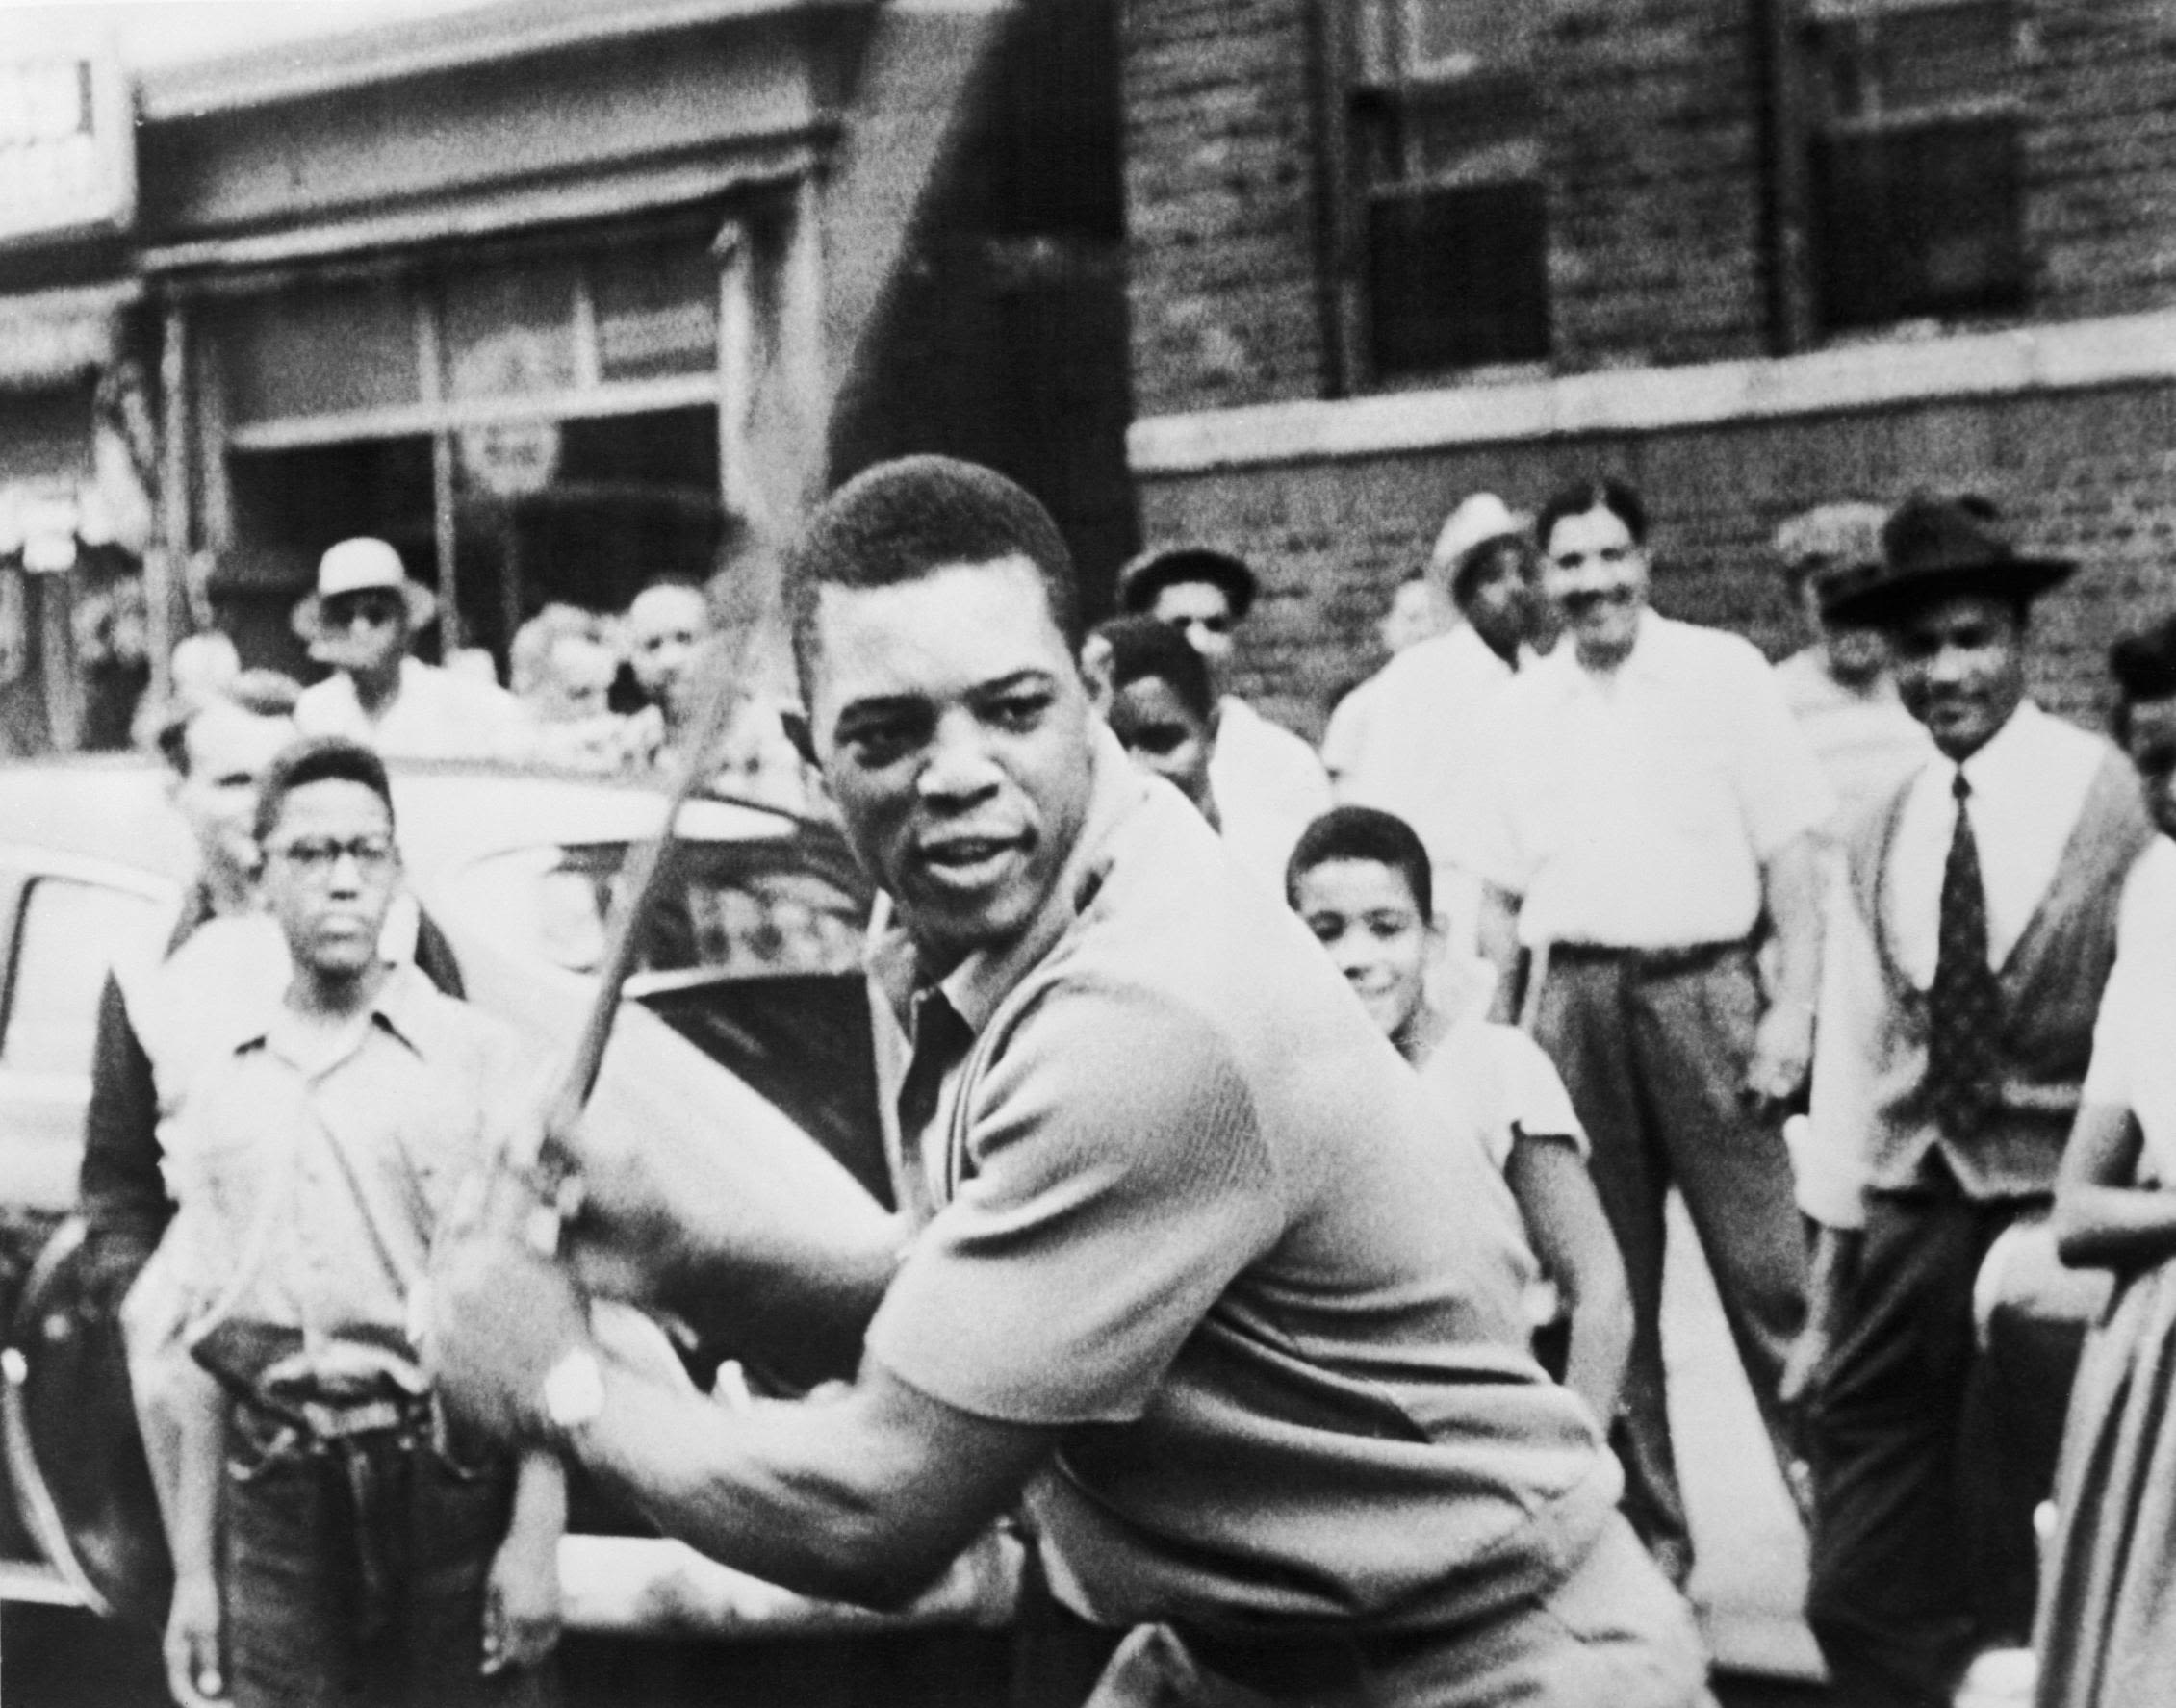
1478 519
362 565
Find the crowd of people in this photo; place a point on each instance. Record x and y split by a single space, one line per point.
1282 1154
610 694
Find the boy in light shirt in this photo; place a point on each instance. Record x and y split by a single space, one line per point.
1360 881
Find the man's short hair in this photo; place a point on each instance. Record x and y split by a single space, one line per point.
317 759
1595 492
1364 833
261 692
1146 649
901 522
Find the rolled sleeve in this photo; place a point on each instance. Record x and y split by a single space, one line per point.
1116 1182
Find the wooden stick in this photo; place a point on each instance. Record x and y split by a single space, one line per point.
720 669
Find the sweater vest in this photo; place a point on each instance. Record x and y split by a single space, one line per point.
2050 989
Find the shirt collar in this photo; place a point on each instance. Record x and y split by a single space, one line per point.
2005 760
1644 661
976 986
397 1009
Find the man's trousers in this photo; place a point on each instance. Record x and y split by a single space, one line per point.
1653 1047
1929 1454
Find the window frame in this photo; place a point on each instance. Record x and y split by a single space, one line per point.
1797 248
1349 86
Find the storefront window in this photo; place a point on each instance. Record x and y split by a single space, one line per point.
326 351
526 426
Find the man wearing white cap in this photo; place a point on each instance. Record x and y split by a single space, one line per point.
359 621
1422 706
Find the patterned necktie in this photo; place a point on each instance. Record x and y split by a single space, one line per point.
1964 1004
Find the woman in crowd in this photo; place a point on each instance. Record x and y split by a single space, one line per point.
2107 1624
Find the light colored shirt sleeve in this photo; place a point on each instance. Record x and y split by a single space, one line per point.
1780 785
1833 1157
1536 1104
1488 844
1116 1184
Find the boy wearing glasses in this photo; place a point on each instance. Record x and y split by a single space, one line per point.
359 621
331 1543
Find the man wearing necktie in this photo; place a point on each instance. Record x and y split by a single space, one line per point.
1968 938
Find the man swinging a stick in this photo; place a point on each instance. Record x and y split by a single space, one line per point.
1186 1261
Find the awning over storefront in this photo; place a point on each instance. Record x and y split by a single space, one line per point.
50 338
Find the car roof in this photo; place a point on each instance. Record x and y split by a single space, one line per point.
115 807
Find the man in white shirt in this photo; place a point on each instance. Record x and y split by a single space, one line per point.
1415 756
1270 785
1965 952
360 620
1417 612
1643 803
1838 685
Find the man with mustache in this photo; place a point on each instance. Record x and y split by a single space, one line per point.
1965 959
1643 803
1188 1262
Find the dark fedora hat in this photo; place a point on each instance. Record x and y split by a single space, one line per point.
1934 549
1152 572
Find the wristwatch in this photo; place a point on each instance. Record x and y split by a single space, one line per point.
573 1391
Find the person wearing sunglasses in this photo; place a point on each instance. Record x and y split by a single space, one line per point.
359 620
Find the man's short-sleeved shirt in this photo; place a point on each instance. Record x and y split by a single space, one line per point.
311 1189
1636 809
1193 1211
1269 786
1415 756
438 714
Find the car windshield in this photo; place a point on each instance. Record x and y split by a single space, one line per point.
743 909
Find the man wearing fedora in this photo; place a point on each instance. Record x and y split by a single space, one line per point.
1269 783
360 620
1427 702
1964 956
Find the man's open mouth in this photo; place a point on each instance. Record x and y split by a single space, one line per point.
970 862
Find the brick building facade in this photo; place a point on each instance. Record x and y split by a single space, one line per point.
1752 254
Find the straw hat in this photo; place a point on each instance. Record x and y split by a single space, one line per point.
362 565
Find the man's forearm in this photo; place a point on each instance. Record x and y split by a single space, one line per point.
842 1500
1791 885
540 1497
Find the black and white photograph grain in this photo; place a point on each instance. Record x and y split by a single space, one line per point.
1088 853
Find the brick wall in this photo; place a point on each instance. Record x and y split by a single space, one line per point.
1653 164
2090 474
1652 156
1222 215
2100 152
